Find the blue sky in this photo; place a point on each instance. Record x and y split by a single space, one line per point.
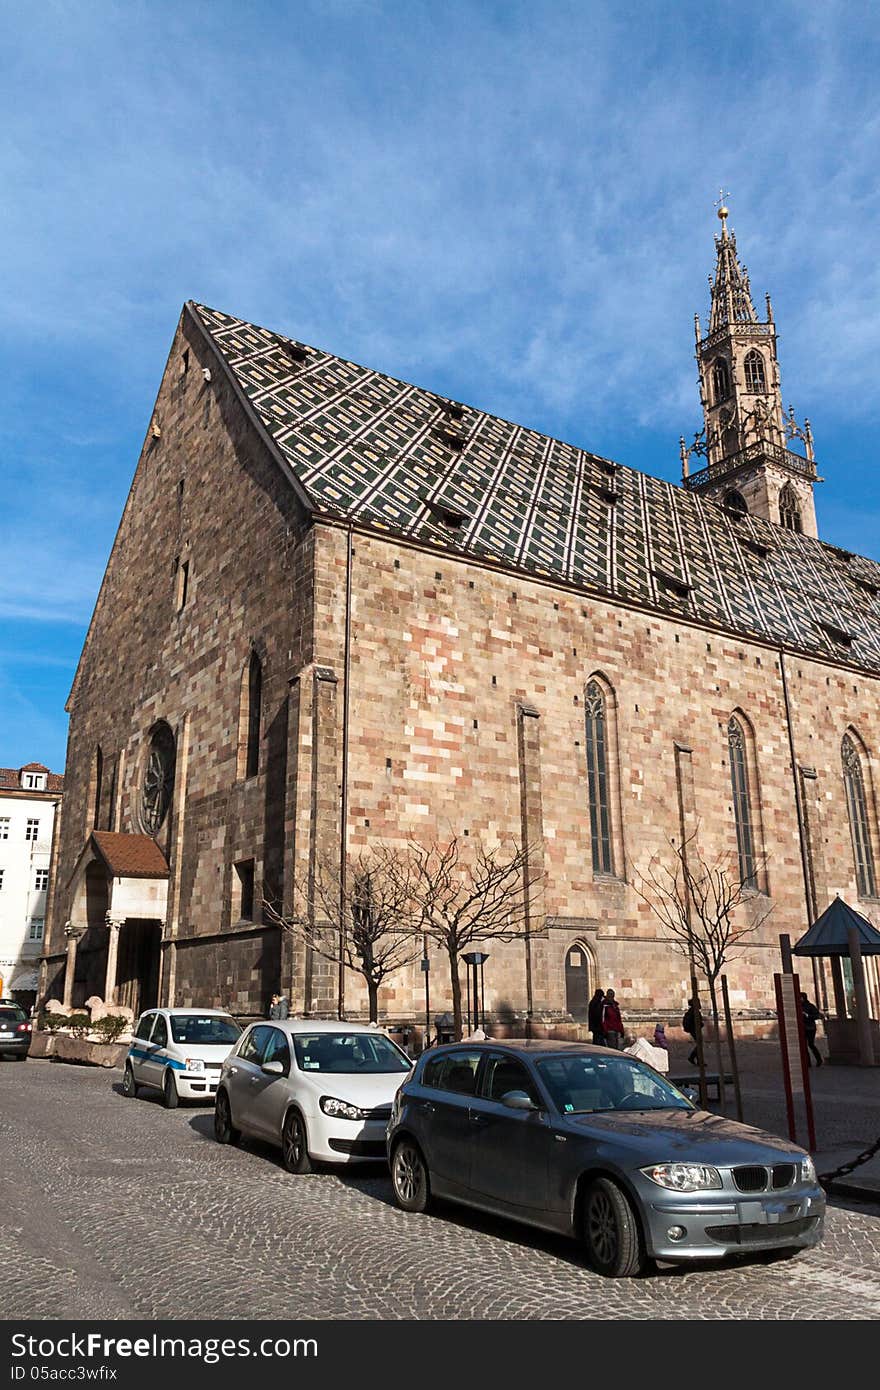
510 203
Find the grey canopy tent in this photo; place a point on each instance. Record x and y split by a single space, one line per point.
828 936
841 934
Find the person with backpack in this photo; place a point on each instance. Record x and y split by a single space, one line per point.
692 1016
594 1018
612 1023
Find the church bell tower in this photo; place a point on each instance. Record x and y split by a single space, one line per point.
748 466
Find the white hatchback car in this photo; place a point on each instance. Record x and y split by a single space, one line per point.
179 1052
318 1090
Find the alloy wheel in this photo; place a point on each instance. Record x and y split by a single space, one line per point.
409 1177
295 1144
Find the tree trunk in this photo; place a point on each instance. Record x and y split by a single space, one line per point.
456 995
373 992
719 1061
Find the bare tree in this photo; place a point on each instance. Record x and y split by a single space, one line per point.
696 900
468 894
366 923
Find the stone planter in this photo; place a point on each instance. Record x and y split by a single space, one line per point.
94 1054
42 1044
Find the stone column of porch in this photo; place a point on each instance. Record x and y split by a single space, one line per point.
114 924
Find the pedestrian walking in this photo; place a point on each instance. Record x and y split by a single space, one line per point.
612 1023
594 1018
660 1039
692 1017
811 1014
279 1008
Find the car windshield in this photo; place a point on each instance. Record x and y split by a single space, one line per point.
13 1014
591 1083
207 1030
364 1054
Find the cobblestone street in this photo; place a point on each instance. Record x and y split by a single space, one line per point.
121 1209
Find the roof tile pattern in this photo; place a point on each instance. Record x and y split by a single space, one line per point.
392 456
130 856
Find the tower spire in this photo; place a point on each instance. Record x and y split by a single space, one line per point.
731 292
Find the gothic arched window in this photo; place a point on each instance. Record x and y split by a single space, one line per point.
720 380
858 818
742 810
597 778
735 502
158 783
254 715
754 367
789 511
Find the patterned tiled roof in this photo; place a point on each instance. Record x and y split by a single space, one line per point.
130 856
389 455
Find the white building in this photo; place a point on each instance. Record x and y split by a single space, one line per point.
29 798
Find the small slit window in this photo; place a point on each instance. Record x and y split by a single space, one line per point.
720 380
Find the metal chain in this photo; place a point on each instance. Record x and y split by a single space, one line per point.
827 1178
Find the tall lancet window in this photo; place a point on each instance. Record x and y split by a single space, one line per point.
789 511
755 377
720 380
742 810
858 818
254 715
597 778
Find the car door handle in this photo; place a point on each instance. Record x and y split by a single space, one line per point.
233 1071
429 1107
477 1118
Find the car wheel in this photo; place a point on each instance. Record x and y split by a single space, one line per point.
170 1098
129 1085
409 1177
295 1144
611 1231
224 1130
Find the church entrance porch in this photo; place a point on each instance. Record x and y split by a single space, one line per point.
120 890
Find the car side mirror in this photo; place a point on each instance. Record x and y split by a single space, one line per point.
518 1100
273 1068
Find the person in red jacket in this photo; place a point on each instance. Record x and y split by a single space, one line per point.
612 1023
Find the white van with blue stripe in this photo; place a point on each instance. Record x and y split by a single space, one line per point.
179 1052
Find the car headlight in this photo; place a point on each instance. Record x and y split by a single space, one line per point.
684 1177
808 1169
342 1109
195 1064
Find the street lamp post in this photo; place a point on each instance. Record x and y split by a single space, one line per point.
426 971
475 961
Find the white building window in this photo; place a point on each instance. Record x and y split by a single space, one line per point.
31 830
4 827
2 871
34 781
35 929
41 880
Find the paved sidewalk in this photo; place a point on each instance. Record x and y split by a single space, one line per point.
846 1108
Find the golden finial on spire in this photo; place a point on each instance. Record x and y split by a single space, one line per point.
723 209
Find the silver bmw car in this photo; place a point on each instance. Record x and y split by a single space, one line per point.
597 1145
